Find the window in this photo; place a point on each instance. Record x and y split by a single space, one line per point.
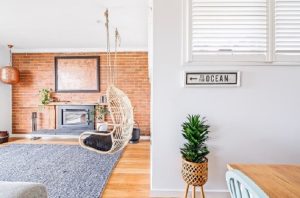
287 30
243 30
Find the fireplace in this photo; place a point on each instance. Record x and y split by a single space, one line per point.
76 117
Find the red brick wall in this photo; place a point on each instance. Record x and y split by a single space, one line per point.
37 72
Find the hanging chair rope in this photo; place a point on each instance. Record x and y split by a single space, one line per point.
112 74
117 44
108 52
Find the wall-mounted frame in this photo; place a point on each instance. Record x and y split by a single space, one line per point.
77 74
212 79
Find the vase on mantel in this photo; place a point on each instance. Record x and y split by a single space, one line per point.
102 126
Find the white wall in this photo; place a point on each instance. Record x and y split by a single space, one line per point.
256 123
5 95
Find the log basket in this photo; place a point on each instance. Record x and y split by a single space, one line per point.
194 174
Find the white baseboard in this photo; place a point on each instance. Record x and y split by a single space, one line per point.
209 193
146 137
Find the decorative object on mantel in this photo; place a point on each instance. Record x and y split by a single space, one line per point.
100 112
212 79
103 99
10 74
194 151
119 106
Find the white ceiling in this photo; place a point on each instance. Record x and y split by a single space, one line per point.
46 24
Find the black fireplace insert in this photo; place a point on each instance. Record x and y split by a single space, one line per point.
76 117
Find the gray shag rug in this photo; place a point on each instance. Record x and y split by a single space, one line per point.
66 170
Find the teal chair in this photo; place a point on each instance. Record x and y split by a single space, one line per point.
241 186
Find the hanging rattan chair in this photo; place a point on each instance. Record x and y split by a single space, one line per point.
119 107
121 113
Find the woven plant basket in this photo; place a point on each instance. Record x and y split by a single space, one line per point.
195 174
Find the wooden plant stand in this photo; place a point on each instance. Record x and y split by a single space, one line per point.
194 191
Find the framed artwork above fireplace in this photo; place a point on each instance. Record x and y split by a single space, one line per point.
77 74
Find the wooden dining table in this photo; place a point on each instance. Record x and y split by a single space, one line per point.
276 180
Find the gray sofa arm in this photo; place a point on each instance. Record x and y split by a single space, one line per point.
22 190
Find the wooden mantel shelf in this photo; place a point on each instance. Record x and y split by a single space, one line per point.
73 103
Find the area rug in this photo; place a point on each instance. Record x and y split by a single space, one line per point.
66 171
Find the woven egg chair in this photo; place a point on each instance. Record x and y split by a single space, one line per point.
121 113
119 107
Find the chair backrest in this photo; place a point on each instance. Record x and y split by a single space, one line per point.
121 113
241 186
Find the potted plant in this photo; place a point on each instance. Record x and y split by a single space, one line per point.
100 112
45 96
194 151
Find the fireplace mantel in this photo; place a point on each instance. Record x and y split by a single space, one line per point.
74 103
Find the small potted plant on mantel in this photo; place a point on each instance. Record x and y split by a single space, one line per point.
45 96
194 151
100 112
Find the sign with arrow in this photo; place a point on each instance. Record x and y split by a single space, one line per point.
198 79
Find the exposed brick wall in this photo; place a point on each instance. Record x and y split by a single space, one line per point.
37 72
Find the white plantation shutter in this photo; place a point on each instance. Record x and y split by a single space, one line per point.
287 27
229 28
243 31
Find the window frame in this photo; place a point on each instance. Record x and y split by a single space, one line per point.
270 59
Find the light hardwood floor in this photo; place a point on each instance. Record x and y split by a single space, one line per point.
130 178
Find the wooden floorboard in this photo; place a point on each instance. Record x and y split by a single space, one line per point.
130 178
